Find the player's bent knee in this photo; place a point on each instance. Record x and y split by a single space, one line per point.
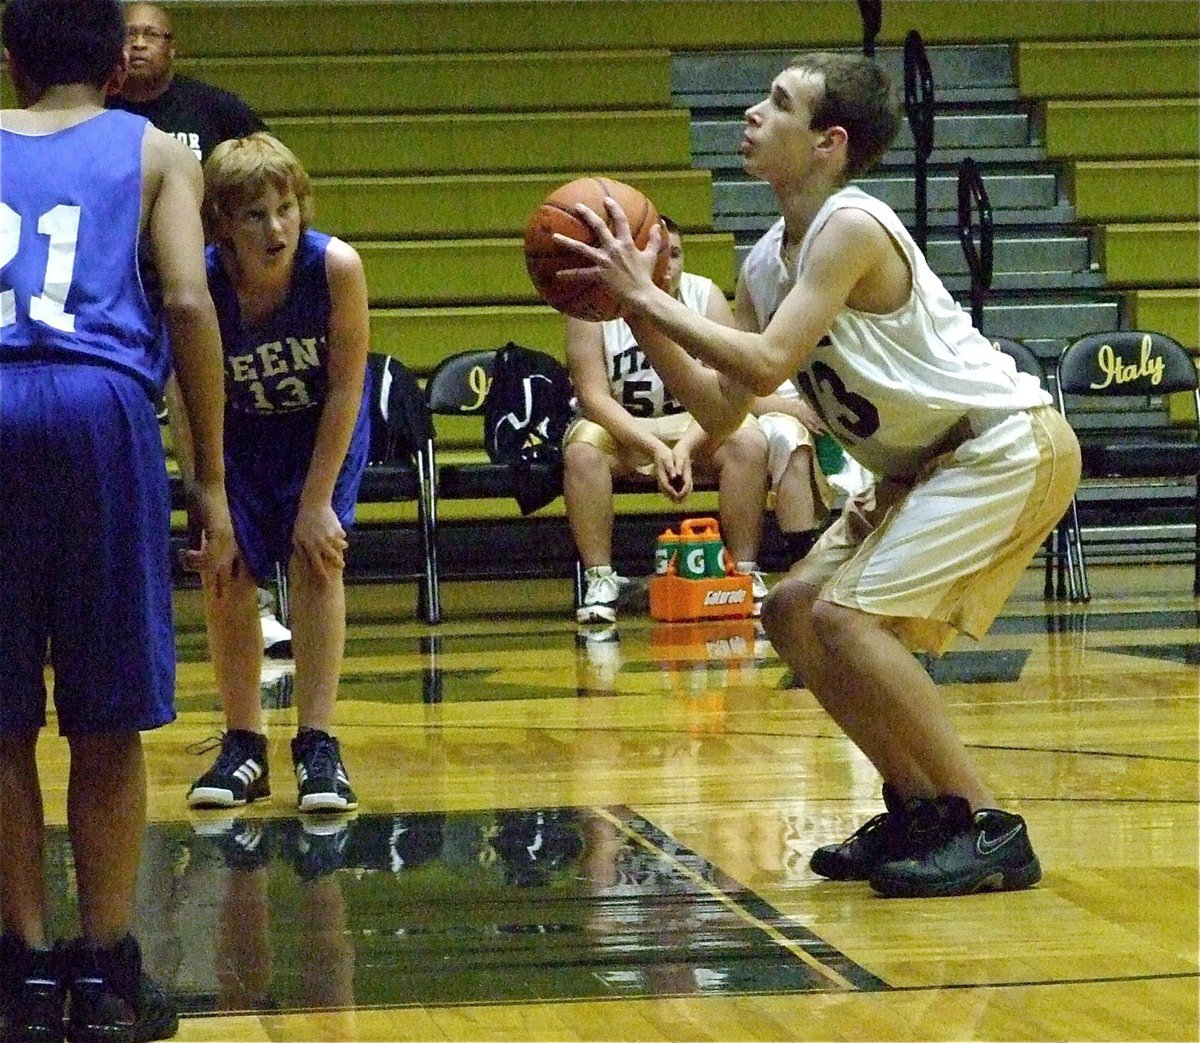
747 444
583 459
580 454
306 576
787 609
838 627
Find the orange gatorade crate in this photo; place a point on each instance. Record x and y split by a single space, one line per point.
693 578
719 597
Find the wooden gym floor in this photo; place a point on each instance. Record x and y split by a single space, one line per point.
566 839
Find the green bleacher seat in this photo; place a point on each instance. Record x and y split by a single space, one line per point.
489 142
1137 190
420 337
1136 127
1174 312
490 271
1152 254
473 205
1129 68
332 85
269 28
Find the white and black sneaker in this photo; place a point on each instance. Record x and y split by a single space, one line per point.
758 583
243 842
239 776
277 639
603 588
322 782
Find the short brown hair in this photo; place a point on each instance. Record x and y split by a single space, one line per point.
241 169
857 95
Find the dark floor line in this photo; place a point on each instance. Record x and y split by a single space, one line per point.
1087 753
1164 976
666 995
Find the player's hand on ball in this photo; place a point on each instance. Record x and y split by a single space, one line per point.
613 258
558 226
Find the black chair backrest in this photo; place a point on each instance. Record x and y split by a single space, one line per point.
1023 356
459 384
1126 362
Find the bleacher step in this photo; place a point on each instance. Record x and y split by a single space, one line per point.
460 206
742 78
1053 317
338 85
449 143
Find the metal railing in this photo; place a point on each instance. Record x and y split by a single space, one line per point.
918 105
872 20
972 200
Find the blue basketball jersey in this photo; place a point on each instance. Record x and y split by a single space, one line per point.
70 283
276 381
280 366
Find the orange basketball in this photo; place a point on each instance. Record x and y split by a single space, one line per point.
544 257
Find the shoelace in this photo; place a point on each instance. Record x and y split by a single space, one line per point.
206 745
233 752
320 757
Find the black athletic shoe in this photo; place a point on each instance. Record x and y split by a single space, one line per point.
239 776
111 999
869 846
31 993
321 779
956 853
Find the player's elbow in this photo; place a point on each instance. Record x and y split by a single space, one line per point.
187 305
762 383
764 375
719 424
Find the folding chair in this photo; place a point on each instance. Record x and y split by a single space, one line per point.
1057 547
458 386
399 467
1122 444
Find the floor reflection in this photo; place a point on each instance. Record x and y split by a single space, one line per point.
274 914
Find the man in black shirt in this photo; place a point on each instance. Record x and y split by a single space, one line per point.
197 113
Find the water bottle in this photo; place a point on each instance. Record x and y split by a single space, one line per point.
665 552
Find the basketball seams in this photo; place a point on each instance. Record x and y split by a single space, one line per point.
569 293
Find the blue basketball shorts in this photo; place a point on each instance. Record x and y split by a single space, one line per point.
84 551
266 465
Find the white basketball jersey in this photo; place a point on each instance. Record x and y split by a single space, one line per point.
891 387
632 379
